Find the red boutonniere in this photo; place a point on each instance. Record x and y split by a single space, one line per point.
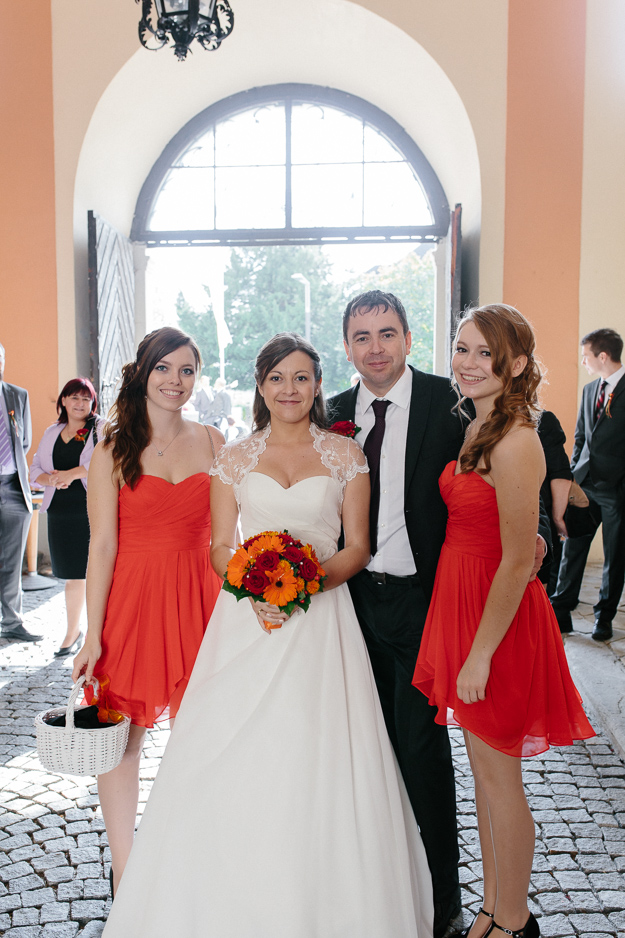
81 435
13 420
345 428
608 412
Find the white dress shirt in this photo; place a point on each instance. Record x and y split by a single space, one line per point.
612 381
394 554
10 467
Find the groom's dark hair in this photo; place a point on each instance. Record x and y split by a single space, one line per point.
269 357
372 299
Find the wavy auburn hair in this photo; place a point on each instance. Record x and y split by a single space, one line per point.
128 429
269 357
508 335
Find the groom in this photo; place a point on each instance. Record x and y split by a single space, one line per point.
417 435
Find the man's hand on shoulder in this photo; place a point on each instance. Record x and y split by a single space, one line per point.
539 556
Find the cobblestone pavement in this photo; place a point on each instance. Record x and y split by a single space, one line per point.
54 857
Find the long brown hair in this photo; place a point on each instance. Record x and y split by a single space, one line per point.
270 355
128 428
508 335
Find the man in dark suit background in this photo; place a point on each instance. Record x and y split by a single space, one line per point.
598 465
391 596
15 503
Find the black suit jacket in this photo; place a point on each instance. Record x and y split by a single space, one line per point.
599 451
434 438
16 400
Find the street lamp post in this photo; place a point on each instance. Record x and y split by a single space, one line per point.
302 279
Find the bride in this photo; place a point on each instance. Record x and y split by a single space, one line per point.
279 811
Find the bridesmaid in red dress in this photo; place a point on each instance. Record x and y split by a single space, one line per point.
150 585
491 657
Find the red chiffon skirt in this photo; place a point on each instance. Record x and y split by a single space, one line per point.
161 597
531 702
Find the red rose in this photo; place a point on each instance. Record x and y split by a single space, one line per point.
268 560
293 554
345 428
308 569
255 582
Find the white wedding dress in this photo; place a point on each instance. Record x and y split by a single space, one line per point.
278 810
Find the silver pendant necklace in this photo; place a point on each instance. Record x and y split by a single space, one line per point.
159 452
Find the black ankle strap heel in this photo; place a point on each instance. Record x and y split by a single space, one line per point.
465 932
529 930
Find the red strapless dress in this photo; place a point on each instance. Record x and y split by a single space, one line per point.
531 702
161 597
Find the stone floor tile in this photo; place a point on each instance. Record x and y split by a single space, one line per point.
54 912
64 930
26 917
591 922
585 902
612 900
552 926
572 879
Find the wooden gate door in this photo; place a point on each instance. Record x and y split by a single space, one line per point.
111 307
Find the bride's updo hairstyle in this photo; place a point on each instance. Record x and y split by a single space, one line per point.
269 357
508 335
128 427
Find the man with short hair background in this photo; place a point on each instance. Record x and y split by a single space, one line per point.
598 465
15 504
391 596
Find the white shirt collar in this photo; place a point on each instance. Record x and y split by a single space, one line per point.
615 377
399 394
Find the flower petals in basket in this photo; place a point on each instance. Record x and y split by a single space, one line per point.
75 750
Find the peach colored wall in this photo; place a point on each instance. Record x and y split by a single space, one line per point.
602 275
28 307
544 158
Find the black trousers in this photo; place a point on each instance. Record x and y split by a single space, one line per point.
609 505
392 617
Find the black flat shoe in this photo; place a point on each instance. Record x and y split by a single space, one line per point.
70 649
529 930
19 634
465 932
111 882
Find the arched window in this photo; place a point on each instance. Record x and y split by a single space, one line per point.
290 164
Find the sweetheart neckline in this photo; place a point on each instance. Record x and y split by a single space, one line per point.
289 487
147 475
456 475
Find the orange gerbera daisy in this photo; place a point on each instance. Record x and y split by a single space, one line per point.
312 587
266 542
237 566
283 586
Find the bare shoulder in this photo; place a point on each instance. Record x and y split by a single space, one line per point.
102 466
520 449
204 431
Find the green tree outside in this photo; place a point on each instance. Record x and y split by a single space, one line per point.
262 298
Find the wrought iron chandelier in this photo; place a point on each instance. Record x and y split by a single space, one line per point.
182 21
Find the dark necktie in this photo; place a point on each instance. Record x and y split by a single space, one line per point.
6 448
372 450
600 400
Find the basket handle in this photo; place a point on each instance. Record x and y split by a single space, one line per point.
73 697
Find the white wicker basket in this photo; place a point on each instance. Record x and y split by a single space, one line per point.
75 751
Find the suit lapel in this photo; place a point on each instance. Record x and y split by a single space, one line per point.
620 387
417 422
345 409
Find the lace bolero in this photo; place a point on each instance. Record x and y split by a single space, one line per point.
340 454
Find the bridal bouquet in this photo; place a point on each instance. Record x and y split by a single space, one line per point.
275 568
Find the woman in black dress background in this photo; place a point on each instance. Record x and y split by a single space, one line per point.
61 464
